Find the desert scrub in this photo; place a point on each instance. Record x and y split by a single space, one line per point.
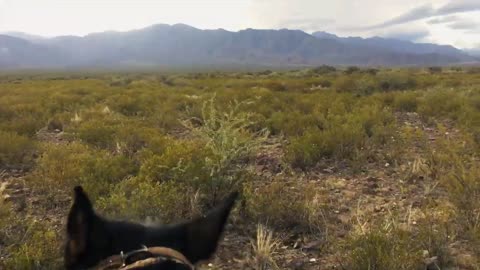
98 132
342 137
438 103
406 101
297 206
230 143
141 199
463 186
383 249
32 245
182 162
15 150
134 140
24 124
61 167
345 84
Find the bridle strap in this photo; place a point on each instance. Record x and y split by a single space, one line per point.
139 259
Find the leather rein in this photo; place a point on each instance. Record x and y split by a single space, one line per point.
145 257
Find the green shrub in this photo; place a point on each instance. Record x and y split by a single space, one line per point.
366 85
324 69
406 101
275 86
441 103
61 167
35 245
54 125
342 137
26 125
434 237
345 84
15 150
182 162
463 186
435 70
396 81
352 69
291 124
285 205
97 133
133 140
384 249
140 199
231 143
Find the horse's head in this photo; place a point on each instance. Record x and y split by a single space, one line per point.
91 239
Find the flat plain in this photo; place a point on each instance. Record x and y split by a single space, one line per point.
338 168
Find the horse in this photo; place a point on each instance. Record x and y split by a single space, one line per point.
95 242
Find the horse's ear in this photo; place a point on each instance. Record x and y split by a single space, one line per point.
78 223
204 233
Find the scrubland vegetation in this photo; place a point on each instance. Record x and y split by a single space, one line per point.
353 168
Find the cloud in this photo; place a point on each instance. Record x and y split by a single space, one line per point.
456 22
427 11
413 35
464 25
445 19
412 15
306 24
457 6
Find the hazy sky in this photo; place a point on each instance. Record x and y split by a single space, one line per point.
455 22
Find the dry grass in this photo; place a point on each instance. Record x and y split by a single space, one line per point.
264 250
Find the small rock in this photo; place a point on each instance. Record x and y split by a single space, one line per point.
336 183
372 185
431 263
315 245
328 170
17 191
313 260
425 253
387 165
298 265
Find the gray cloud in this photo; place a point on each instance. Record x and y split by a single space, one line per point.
414 35
464 25
427 11
306 24
445 19
412 15
455 22
457 6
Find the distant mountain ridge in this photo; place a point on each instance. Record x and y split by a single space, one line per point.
185 46
396 45
474 52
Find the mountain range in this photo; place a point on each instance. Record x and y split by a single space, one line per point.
185 46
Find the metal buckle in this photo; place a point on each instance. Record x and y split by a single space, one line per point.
125 257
